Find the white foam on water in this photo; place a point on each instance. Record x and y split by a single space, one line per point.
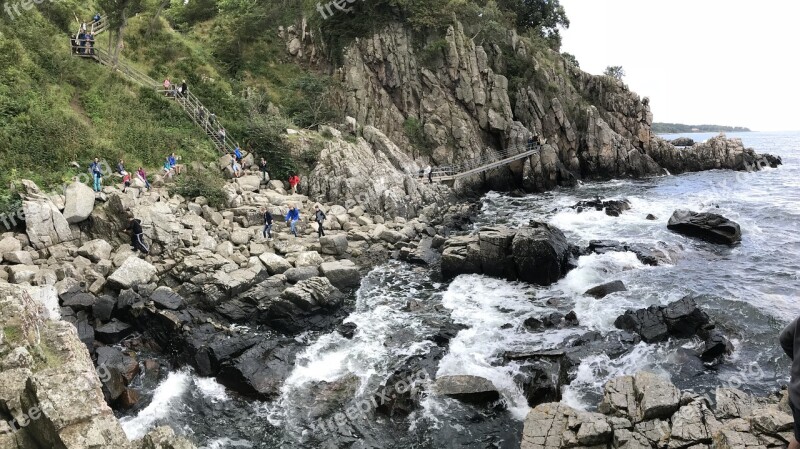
211 389
485 305
385 333
166 397
226 443
595 370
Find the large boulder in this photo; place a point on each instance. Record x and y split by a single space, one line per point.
554 425
603 290
274 263
44 224
680 319
134 271
642 397
537 253
467 388
712 228
10 244
335 245
96 250
343 274
541 253
261 370
79 202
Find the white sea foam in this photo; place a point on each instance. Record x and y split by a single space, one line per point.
166 398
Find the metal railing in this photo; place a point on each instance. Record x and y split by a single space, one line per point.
201 117
481 164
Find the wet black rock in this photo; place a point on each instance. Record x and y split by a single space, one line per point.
469 389
709 227
680 319
103 308
113 332
651 217
533 324
347 330
261 370
207 349
413 376
715 347
606 289
613 208
165 298
537 253
542 374
648 256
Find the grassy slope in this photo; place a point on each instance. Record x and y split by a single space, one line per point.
56 108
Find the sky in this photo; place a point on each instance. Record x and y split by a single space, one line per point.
733 62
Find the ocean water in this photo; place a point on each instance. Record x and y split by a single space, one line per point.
750 291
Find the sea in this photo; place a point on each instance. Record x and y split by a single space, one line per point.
750 291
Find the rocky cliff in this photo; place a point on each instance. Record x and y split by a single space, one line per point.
50 391
473 101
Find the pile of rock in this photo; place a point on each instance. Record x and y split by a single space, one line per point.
612 208
646 410
50 389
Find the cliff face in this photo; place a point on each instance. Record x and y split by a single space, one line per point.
50 392
461 97
596 127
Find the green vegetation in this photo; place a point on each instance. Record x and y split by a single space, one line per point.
201 183
57 110
614 71
416 135
675 128
12 335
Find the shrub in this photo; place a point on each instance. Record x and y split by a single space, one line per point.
203 183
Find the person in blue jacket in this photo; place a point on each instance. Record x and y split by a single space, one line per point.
97 174
292 217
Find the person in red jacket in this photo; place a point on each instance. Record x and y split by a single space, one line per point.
294 180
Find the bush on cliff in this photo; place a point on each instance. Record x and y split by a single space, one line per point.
203 183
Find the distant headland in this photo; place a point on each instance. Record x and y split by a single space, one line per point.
673 128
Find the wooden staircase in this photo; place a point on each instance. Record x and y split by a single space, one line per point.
190 104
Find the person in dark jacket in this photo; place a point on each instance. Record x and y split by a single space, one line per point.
97 174
262 165
292 217
184 89
267 223
137 235
319 217
790 342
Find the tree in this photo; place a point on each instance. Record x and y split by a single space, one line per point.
543 16
569 58
117 13
614 71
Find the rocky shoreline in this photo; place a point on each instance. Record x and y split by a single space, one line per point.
647 411
216 295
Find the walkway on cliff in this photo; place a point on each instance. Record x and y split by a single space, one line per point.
190 104
479 165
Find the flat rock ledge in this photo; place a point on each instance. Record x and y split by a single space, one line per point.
648 411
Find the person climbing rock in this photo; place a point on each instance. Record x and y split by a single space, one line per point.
237 153
137 235
143 176
319 217
790 342
292 217
294 180
97 174
236 169
267 223
262 165
173 162
126 182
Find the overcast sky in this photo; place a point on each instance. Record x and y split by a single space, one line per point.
716 62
